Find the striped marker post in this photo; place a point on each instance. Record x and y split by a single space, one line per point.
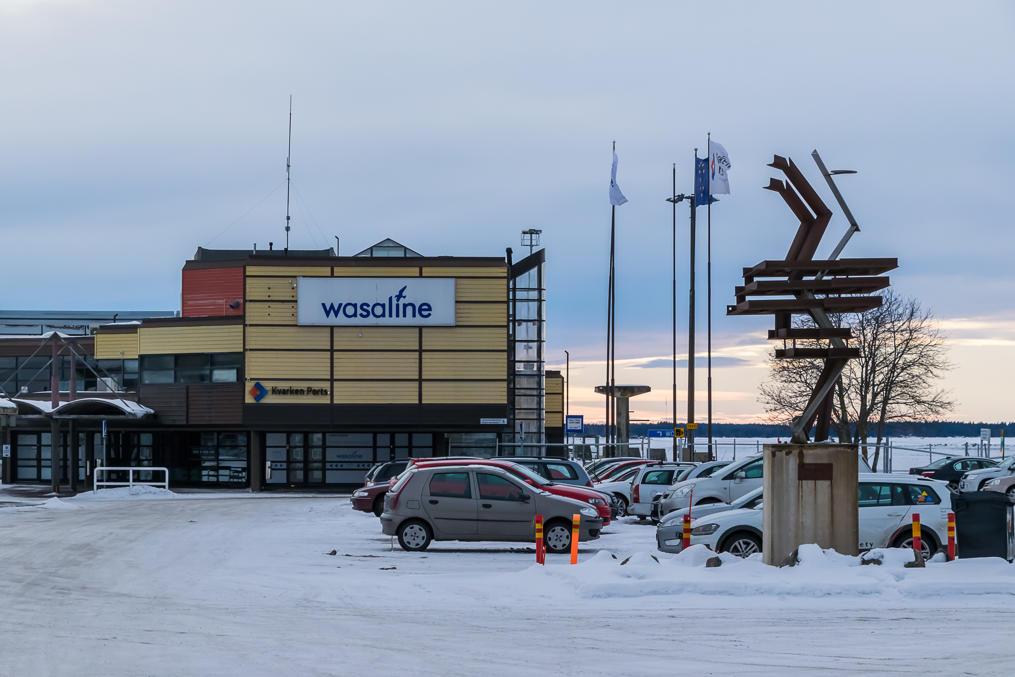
685 542
540 553
917 541
951 536
575 523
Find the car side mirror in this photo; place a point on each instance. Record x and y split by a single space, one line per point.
739 476
525 498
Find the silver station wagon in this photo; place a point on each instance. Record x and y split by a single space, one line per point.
478 503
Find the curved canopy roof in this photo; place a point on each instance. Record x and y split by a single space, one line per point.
85 406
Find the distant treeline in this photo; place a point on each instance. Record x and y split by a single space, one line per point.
894 429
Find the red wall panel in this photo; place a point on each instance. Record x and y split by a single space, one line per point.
208 292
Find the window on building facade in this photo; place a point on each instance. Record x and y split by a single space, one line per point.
191 368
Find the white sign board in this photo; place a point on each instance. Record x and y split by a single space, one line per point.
985 435
376 301
7 451
493 421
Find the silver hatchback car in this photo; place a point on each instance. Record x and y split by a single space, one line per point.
478 503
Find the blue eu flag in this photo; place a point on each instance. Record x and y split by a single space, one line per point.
701 196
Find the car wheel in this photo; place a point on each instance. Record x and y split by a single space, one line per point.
741 544
414 536
926 545
379 505
982 485
558 537
621 504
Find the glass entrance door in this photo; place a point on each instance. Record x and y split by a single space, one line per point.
295 459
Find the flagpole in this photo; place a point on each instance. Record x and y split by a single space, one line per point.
708 247
690 332
609 320
674 203
613 332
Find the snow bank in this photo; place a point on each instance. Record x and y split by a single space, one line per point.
819 574
138 491
57 504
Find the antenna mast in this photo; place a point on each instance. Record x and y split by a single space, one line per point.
288 155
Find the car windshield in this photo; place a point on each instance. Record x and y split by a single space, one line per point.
940 463
528 473
1007 463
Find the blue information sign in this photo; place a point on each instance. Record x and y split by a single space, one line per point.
575 424
660 432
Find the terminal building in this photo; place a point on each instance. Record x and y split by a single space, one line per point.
289 369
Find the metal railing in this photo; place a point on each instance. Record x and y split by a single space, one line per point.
130 470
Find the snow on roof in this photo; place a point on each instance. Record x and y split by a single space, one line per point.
86 405
7 404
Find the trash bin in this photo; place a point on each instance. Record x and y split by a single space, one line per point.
984 523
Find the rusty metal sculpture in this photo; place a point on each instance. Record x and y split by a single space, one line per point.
801 284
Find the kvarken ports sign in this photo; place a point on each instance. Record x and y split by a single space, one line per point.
376 301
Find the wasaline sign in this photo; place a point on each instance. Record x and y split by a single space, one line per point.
376 301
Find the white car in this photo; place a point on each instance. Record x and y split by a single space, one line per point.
620 488
974 480
652 479
661 507
670 532
724 486
886 503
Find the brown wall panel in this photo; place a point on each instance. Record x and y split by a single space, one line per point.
168 401
212 404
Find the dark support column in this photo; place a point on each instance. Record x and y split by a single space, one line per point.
256 469
55 454
72 453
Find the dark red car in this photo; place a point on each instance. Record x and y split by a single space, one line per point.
593 498
370 497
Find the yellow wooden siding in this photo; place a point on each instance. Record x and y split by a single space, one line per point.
477 289
554 402
271 288
456 271
210 339
294 271
278 398
480 313
554 420
465 365
554 385
376 392
464 392
366 271
376 338
271 313
287 364
376 365
116 346
464 338
305 338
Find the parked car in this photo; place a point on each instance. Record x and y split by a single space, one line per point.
650 480
619 488
951 468
886 503
610 472
1005 485
724 486
592 497
975 480
370 497
670 532
557 470
706 469
479 503
594 467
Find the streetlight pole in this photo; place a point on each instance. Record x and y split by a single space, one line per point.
567 387
690 330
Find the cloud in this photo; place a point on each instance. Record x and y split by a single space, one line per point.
717 361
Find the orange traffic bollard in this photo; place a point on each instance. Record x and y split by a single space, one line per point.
917 543
540 553
575 522
686 541
951 536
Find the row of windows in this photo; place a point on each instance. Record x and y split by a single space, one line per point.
33 373
194 368
491 487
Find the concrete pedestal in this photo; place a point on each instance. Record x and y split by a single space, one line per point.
810 497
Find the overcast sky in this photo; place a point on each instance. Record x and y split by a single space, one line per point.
136 131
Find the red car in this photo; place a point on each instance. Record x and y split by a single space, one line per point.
370 497
593 498
617 468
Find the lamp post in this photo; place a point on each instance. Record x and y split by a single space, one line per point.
567 387
689 448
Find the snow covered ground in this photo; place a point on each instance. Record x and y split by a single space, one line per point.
234 584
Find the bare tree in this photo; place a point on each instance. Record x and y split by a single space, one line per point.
902 355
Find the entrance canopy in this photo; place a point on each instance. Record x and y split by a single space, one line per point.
85 407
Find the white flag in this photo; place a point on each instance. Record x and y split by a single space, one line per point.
718 169
616 197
